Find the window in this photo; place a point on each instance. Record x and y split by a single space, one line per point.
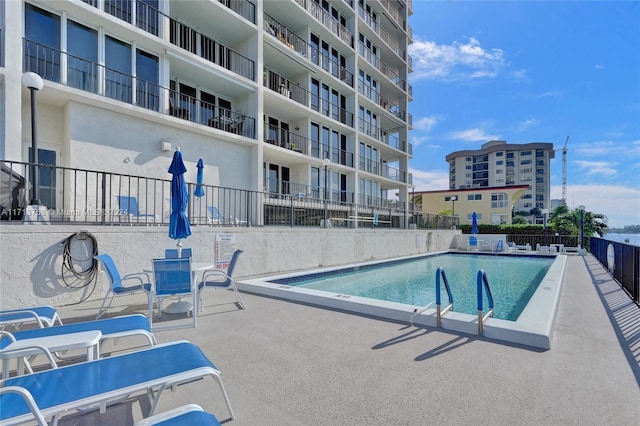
468 167
499 163
117 70
509 154
46 177
42 50
525 179
82 61
147 89
510 163
499 200
539 153
469 159
539 162
499 171
474 197
526 196
470 216
539 171
499 154
499 180
524 153
522 162
539 180
527 170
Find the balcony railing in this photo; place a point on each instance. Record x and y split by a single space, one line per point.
390 40
94 197
382 169
91 77
296 43
385 103
152 20
391 73
285 139
297 93
394 13
328 21
381 135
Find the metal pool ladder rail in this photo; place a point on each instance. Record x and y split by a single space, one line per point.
483 281
439 311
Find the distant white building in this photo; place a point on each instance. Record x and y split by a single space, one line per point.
498 164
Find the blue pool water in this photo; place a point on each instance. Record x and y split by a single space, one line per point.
513 280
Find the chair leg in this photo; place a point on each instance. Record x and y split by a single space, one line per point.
235 289
102 310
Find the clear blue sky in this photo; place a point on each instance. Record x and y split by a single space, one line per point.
532 71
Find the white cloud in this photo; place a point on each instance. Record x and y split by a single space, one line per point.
432 180
457 61
549 94
425 123
418 140
473 135
599 67
604 168
526 124
620 204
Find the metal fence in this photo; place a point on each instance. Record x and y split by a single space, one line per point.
73 195
624 263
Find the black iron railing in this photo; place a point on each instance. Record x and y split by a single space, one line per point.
623 264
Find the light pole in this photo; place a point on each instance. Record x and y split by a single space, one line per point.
453 210
326 162
33 82
545 212
581 208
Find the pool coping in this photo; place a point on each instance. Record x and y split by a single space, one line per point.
534 327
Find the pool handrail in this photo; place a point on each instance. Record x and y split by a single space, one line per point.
439 312
483 281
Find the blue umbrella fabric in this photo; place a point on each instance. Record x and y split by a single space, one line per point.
474 223
199 191
178 221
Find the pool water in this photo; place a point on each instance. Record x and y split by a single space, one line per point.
513 280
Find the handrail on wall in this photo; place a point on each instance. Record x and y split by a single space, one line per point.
482 281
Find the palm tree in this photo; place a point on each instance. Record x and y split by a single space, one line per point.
566 222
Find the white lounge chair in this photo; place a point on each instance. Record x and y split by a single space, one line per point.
43 316
52 393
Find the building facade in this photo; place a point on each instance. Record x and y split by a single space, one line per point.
492 205
288 97
499 164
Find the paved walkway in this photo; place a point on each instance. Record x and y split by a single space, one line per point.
290 364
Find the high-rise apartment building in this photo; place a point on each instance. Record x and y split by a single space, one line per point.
278 96
498 163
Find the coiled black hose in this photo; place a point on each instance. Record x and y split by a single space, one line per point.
70 265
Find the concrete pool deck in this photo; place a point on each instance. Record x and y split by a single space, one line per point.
286 363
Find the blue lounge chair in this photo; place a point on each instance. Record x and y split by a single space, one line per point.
115 280
473 243
172 277
217 278
173 253
43 316
52 393
191 414
214 216
129 209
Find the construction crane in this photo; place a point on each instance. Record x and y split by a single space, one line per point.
564 172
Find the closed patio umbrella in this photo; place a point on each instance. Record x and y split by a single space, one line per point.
474 223
199 191
178 222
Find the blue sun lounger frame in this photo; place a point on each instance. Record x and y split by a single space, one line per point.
44 316
101 382
111 328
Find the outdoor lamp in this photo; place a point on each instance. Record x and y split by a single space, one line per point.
326 162
453 205
33 82
545 212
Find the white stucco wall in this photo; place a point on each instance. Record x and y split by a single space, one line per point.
32 255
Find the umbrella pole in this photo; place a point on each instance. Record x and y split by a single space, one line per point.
179 245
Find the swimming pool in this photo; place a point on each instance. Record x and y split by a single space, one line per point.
513 281
537 306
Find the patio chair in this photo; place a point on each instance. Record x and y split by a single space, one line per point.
43 316
473 243
173 253
52 393
172 277
129 209
190 414
217 278
116 287
214 216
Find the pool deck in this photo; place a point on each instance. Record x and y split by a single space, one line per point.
286 363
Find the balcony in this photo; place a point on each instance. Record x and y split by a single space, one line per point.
381 135
311 54
152 21
393 74
285 139
384 35
382 170
100 80
380 100
297 93
328 21
393 12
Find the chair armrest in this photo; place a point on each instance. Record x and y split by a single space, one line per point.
141 277
35 316
28 398
215 275
8 334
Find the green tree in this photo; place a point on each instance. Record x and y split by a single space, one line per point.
569 222
519 220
